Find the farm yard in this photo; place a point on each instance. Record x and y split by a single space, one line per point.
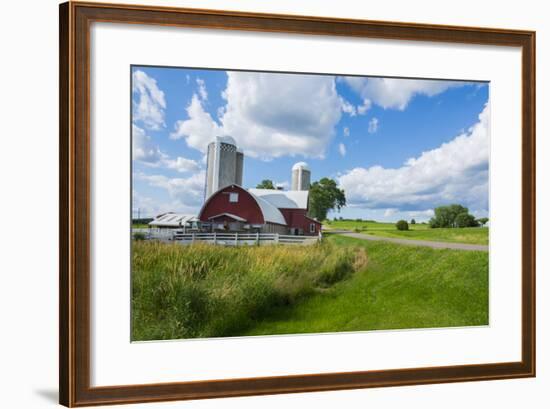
341 284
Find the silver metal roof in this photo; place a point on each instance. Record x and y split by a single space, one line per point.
173 220
283 199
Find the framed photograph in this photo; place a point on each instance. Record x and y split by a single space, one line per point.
260 204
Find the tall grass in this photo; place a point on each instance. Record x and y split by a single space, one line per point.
210 291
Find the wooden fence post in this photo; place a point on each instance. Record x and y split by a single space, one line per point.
236 238
214 237
276 238
192 237
257 238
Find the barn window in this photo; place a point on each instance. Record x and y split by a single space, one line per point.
233 197
312 227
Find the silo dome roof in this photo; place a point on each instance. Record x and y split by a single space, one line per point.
300 165
226 139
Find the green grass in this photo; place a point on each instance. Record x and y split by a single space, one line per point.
402 287
468 235
368 225
212 291
140 226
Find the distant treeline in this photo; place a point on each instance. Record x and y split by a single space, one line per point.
143 220
341 219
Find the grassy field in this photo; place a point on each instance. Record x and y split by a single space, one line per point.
344 284
469 235
212 291
140 226
402 287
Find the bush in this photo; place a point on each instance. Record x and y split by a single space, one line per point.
402 225
139 236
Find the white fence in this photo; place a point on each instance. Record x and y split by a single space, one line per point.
239 239
225 239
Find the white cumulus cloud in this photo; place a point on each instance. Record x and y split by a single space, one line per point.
373 125
269 115
149 102
146 152
455 172
186 192
347 107
142 147
202 89
395 93
199 129
363 108
342 149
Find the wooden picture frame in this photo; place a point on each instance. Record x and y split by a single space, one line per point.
74 195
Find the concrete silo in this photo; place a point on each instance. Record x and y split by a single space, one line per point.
239 167
301 176
224 164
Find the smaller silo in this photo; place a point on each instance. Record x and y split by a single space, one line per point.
301 176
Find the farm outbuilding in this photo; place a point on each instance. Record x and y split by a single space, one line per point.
175 221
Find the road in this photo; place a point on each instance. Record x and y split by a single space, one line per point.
425 243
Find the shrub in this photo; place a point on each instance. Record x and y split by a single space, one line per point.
139 236
402 225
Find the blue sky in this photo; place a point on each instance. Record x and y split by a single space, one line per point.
398 147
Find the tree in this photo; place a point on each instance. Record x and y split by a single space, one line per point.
465 220
402 225
413 221
454 215
483 221
445 215
266 184
324 195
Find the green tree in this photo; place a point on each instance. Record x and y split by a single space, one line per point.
465 220
266 184
413 221
324 195
483 220
444 216
402 225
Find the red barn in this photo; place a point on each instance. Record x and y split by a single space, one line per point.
234 208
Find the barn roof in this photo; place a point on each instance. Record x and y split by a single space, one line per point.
283 199
270 212
173 220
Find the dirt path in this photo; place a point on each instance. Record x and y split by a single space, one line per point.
432 244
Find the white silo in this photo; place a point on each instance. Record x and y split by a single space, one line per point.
301 176
224 164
